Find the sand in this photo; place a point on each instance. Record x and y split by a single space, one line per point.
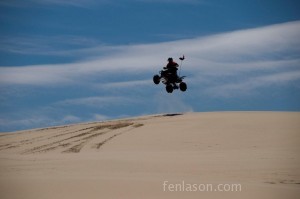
191 155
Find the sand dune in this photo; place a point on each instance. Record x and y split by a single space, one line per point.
193 155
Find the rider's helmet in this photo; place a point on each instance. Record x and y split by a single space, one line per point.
170 59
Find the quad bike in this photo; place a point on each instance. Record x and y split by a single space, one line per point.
171 80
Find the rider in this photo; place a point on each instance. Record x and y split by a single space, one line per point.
172 67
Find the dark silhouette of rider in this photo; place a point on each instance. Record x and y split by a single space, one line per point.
172 68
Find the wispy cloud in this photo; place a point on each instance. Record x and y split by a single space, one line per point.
63 45
122 84
227 65
96 101
36 121
248 86
266 48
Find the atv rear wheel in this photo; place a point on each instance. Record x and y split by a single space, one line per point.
156 79
169 88
183 86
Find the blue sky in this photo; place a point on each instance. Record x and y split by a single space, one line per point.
70 61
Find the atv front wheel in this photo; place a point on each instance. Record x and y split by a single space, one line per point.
169 88
183 86
156 79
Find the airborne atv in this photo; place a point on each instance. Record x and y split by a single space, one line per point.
170 80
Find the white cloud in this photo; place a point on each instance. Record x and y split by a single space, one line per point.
125 84
37 75
35 121
247 86
264 50
70 119
99 117
96 101
46 45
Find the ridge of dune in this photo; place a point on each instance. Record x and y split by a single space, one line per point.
141 157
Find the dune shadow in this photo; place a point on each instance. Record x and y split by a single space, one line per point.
172 114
